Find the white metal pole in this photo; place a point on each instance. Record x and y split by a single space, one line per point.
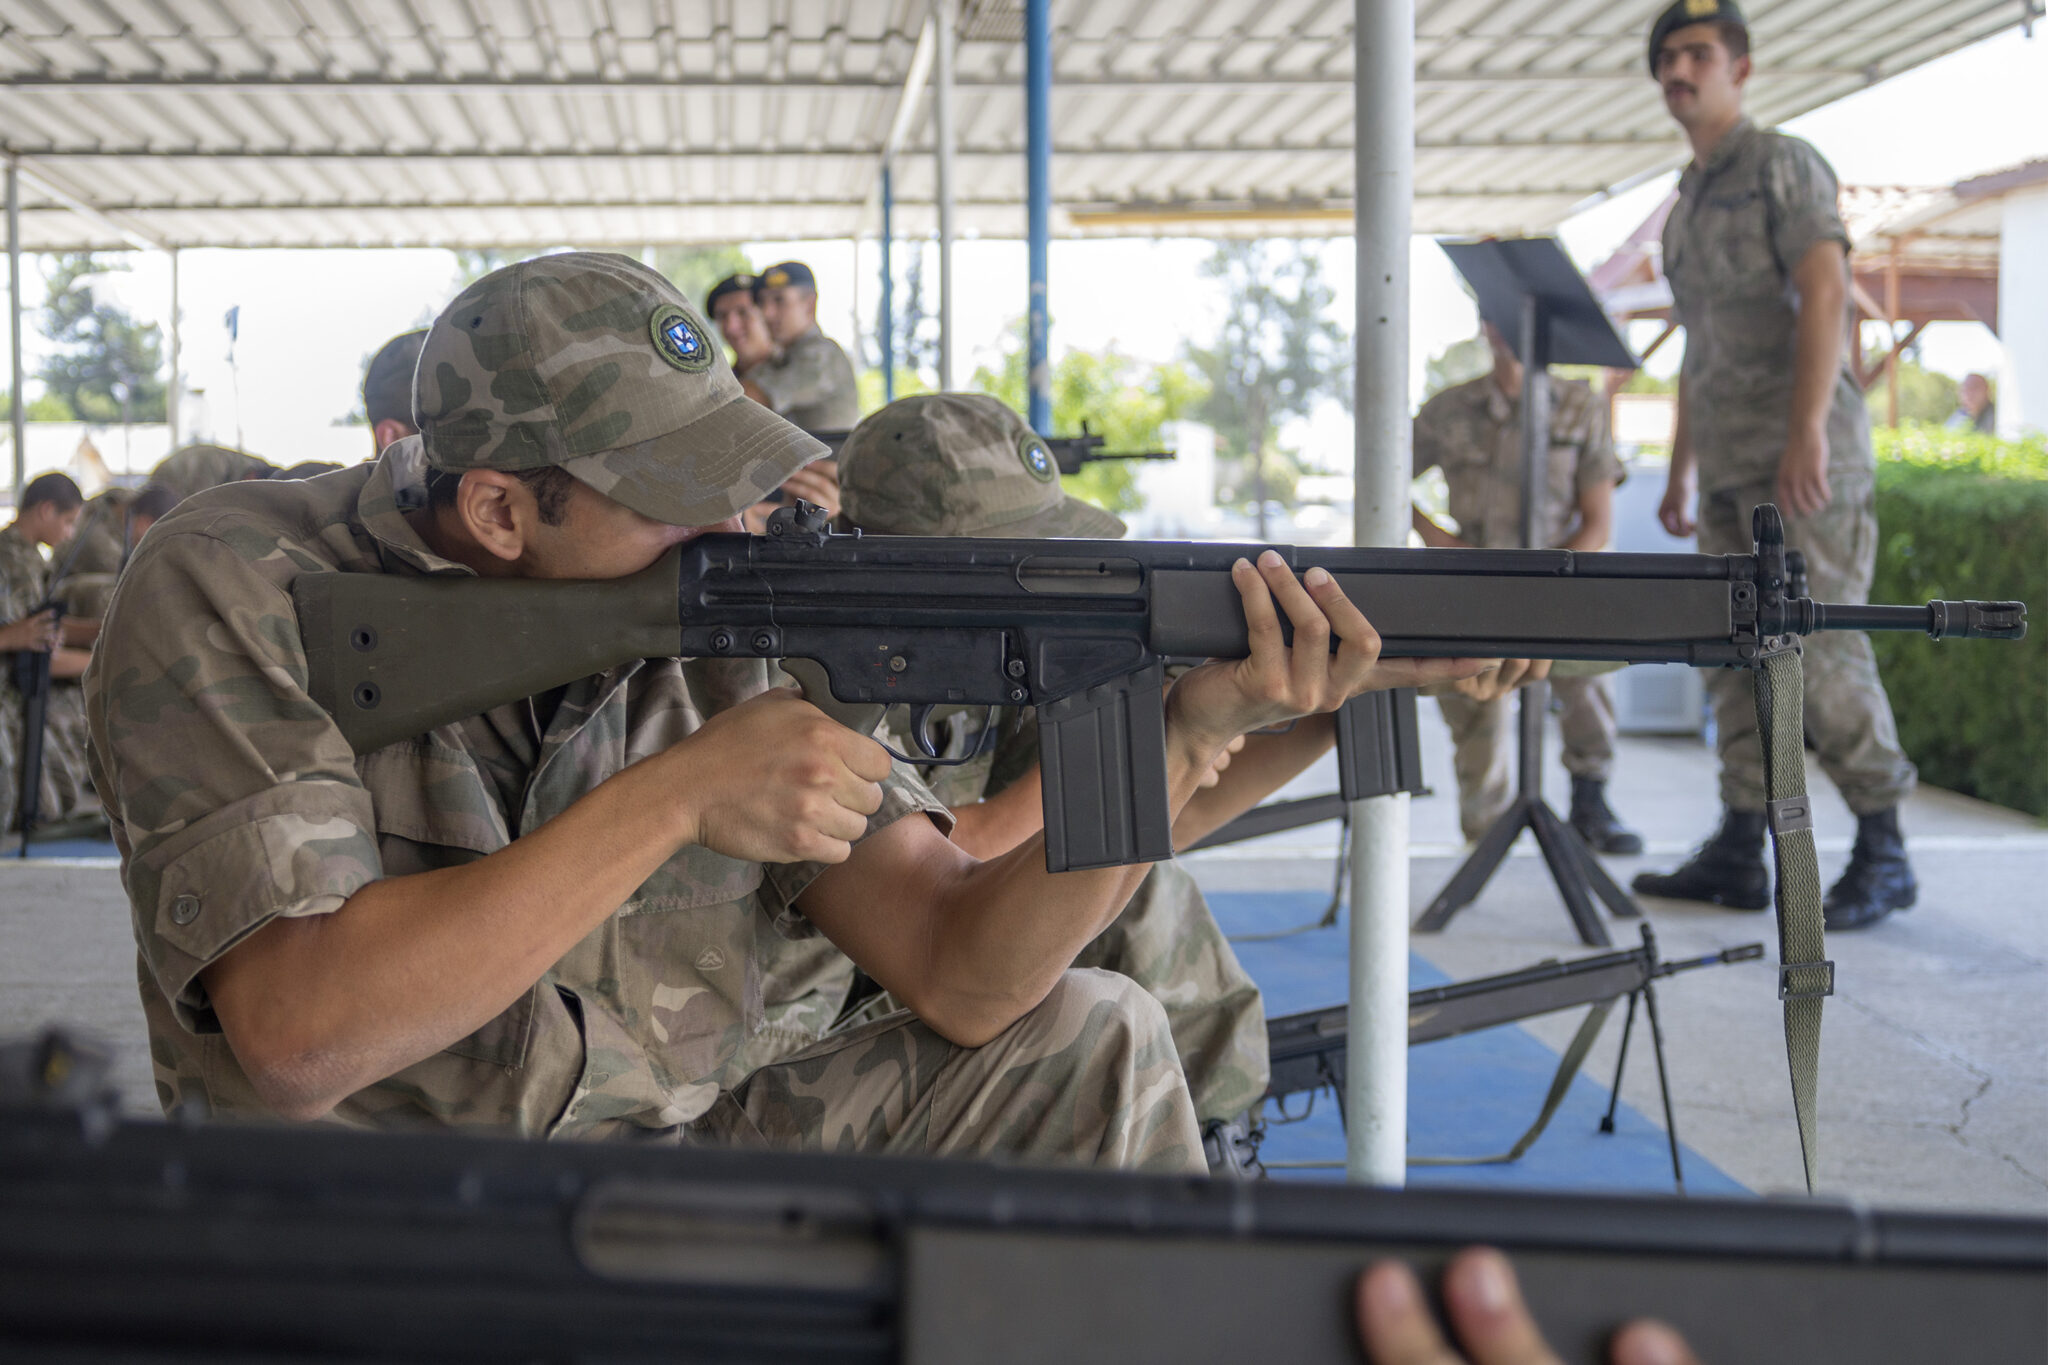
1376 1075
175 399
17 417
942 121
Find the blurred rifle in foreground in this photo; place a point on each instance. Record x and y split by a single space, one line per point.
158 1243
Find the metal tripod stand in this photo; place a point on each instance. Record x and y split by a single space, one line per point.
1578 877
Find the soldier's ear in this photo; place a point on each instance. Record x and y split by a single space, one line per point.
1739 73
488 504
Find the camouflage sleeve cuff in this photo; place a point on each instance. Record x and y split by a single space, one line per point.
902 794
301 848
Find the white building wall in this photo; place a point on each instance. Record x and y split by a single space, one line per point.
2023 314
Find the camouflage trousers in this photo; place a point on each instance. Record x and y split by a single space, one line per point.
1089 1077
66 786
1848 717
1166 939
1483 744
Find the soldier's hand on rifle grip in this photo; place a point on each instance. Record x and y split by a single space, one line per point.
1498 682
1492 1324
36 634
776 780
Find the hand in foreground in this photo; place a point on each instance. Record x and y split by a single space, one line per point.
1487 1316
776 780
1497 682
1803 474
1215 773
36 634
1276 683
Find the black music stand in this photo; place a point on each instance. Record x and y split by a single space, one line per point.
1530 290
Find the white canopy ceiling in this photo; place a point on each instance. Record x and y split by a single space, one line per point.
632 122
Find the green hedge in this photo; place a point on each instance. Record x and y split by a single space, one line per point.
1967 516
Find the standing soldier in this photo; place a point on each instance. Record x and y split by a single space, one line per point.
810 380
1768 412
730 306
1473 432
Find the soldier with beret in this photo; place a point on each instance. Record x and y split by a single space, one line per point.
547 918
733 306
730 306
809 380
1769 411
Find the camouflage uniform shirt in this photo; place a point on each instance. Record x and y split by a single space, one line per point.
194 469
24 574
235 799
1473 432
810 382
1745 218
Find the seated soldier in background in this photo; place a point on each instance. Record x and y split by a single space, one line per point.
109 529
48 515
387 391
731 306
1473 432
196 468
544 919
965 465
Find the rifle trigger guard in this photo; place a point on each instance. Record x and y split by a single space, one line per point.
928 752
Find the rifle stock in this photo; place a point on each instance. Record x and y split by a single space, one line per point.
1077 628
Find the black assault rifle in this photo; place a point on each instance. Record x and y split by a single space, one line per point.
1078 628
148 1242
1308 1049
1071 454
31 678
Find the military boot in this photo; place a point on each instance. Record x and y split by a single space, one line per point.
1878 879
1597 825
1727 870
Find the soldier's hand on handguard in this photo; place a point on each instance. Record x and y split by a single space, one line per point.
1488 1317
776 780
35 634
1498 681
1276 683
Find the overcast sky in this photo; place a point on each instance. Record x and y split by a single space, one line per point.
308 319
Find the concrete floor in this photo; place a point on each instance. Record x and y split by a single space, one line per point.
1935 1055
1934 1061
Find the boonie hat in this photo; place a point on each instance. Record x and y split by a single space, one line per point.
1683 12
788 273
741 283
595 364
387 382
958 464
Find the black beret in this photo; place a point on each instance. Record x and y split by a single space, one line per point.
788 273
741 283
1680 13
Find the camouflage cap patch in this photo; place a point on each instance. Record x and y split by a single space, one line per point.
677 339
1037 458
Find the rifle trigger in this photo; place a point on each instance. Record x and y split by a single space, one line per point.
921 731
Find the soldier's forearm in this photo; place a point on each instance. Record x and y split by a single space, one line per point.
320 1006
1817 334
991 828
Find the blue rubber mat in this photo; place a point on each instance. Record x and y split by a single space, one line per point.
1469 1096
71 848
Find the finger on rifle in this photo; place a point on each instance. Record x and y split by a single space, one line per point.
866 759
1261 622
1512 671
1539 669
1358 643
1486 1311
1308 664
1392 673
1394 1321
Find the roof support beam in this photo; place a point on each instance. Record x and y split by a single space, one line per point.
1376 1077
55 187
1167 83
17 413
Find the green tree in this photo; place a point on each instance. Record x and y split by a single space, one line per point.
696 268
1278 355
1113 396
47 408
107 367
1924 395
1456 363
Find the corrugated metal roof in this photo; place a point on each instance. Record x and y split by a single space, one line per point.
628 122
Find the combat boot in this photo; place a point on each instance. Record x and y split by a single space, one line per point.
1878 879
1728 869
1597 825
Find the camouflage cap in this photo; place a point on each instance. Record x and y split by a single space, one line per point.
387 379
958 464
597 365
1684 13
